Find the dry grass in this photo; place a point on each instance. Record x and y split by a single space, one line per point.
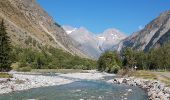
144 74
165 80
151 75
5 75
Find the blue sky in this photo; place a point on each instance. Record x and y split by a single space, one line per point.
97 15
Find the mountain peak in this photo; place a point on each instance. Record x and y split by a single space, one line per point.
69 29
112 34
109 38
111 30
165 13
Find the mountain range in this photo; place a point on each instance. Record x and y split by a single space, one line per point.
94 44
153 35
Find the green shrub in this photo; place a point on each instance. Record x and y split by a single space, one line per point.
34 43
22 64
109 62
115 69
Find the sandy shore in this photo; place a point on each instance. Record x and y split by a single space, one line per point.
24 81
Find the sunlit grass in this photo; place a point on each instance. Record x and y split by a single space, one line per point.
165 80
151 75
144 74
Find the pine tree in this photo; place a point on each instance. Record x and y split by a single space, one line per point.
5 49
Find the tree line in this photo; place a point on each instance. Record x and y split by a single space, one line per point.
155 59
50 58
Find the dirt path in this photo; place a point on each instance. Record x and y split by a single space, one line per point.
162 74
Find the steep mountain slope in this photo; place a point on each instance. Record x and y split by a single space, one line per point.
29 25
94 45
155 34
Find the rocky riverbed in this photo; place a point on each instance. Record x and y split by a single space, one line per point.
91 85
155 89
25 81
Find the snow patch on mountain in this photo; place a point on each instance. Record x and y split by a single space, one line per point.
109 38
69 29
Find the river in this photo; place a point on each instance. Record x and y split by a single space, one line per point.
80 90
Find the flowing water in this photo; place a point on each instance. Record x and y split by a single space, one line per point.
80 90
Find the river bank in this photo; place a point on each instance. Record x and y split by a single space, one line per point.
155 89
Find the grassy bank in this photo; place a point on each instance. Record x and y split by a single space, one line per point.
160 76
5 75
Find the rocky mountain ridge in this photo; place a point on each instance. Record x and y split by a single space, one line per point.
154 35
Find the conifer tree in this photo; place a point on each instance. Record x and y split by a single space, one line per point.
5 49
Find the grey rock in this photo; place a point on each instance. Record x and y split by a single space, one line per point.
156 90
